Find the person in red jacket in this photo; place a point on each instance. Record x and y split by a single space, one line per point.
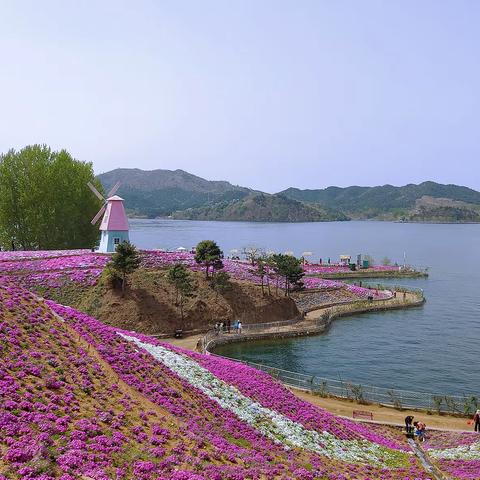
476 421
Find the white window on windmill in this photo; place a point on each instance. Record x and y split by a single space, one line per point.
116 241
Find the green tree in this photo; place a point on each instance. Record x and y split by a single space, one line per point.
208 254
181 279
221 282
290 269
44 200
125 261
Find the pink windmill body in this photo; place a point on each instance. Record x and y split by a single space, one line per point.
114 226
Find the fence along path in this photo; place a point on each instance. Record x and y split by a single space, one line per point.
365 394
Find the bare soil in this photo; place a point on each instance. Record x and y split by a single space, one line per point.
149 305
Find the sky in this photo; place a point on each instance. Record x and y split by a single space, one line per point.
263 93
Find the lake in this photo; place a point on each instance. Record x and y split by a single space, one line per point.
432 349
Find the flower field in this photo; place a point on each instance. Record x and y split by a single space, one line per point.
455 453
79 399
49 271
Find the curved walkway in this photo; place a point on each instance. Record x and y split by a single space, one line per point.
314 322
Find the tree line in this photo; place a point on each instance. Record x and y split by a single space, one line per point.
285 270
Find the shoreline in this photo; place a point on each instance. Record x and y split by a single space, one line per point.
314 322
387 415
340 406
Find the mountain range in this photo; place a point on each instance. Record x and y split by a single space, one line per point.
179 194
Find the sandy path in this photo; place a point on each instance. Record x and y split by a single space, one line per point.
383 414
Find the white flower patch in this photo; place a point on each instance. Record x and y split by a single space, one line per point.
463 452
270 423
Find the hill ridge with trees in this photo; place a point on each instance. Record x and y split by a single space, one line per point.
182 195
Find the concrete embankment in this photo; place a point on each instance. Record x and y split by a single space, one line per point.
314 322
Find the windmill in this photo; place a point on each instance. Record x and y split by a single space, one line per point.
114 225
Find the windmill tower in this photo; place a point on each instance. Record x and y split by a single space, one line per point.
114 225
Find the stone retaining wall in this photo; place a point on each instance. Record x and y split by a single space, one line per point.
305 327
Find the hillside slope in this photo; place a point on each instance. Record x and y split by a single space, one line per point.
429 209
262 208
81 400
149 305
161 192
369 202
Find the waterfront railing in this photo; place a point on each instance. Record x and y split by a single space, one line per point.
465 404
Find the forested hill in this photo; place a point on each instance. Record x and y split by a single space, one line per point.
161 193
383 201
262 207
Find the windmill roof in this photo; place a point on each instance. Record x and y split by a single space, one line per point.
114 217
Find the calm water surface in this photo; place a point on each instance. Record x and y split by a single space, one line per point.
432 349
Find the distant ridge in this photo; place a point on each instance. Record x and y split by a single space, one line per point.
262 207
176 193
385 201
161 192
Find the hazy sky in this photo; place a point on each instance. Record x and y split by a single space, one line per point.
266 94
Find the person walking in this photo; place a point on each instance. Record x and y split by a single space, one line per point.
476 421
229 325
239 327
409 423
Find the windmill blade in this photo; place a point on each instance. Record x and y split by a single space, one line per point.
95 191
98 215
114 189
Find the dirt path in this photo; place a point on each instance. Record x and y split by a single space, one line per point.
190 343
381 414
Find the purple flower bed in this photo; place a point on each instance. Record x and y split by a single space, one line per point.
59 263
164 388
364 293
315 269
31 281
260 386
438 439
38 254
56 269
67 413
460 469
